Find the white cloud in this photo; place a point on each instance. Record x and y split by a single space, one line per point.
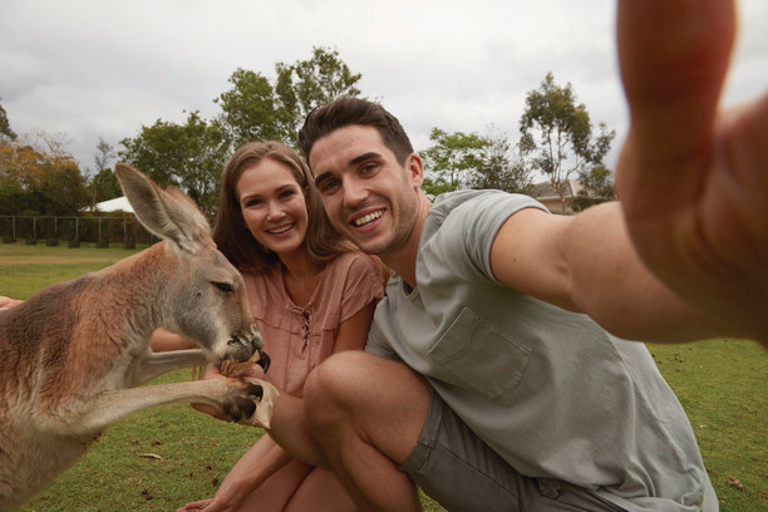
93 69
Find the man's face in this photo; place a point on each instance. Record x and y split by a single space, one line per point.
369 196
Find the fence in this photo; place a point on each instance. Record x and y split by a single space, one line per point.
101 231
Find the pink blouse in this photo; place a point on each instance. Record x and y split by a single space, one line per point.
298 338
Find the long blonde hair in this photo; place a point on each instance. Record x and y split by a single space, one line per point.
322 241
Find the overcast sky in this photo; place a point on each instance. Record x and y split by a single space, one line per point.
104 68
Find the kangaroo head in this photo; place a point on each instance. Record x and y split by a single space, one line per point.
204 296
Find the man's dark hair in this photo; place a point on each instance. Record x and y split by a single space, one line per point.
347 111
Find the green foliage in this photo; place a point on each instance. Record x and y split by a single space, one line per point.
451 160
458 160
189 156
5 126
320 80
249 109
596 187
556 134
499 171
192 155
255 109
103 185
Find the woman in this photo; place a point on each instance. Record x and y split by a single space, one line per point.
311 294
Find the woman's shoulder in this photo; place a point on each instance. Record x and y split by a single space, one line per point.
355 262
264 288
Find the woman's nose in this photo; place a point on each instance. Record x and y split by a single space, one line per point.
275 212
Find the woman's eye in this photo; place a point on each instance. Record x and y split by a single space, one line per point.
224 287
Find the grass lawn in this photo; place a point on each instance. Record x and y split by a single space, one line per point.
161 458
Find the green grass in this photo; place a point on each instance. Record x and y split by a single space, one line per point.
723 386
25 269
721 383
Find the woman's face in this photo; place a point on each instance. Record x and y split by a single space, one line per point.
273 206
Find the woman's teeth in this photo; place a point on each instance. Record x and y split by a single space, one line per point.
280 230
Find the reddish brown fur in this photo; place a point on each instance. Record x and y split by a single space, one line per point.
73 357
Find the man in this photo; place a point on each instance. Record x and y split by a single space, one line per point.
485 381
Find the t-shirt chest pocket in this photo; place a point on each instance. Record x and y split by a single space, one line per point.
480 356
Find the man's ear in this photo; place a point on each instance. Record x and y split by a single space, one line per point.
414 165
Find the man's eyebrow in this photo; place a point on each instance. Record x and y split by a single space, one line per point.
365 156
358 159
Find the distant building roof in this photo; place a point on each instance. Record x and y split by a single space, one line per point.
545 193
544 190
119 203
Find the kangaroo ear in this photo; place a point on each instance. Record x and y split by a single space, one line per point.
170 215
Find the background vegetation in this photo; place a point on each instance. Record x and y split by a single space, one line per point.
161 458
38 177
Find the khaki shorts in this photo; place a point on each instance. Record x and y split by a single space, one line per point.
459 471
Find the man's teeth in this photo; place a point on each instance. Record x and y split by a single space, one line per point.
368 218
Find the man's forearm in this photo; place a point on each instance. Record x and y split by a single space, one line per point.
612 285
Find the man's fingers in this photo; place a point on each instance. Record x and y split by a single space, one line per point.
674 58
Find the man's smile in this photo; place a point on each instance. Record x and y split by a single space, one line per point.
365 219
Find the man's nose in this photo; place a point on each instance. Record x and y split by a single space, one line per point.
354 192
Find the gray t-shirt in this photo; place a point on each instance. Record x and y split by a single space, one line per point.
549 390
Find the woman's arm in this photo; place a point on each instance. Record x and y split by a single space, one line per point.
260 462
8 303
353 332
165 341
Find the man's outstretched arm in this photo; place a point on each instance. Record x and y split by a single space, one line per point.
692 179
683 255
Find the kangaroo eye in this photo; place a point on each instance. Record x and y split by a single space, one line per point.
224 287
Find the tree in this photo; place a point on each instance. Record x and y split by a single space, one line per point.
249 110
103 184
39 177
596 187
452 160
317 81
189 156
556 134
256 109
5 126
499 170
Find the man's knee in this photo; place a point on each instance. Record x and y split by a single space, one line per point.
330 387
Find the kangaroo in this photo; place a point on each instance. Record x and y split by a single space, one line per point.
73 355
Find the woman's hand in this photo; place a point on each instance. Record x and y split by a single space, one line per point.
212 372
222 502
8 303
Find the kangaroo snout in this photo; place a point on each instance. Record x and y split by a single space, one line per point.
243 345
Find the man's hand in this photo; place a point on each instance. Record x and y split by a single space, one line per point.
693 180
